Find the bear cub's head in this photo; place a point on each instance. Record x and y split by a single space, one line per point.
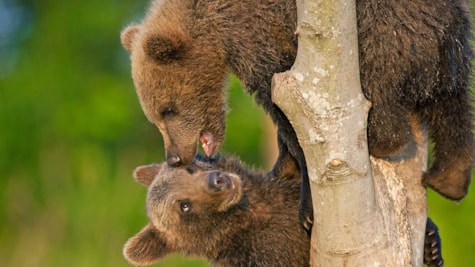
182 206
179 78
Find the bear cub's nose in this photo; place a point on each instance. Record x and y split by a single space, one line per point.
174 161
218 181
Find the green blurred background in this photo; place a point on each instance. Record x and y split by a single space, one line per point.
72 131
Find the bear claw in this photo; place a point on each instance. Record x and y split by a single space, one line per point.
307 223
432 246
306 215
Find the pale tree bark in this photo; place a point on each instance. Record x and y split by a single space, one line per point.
368 211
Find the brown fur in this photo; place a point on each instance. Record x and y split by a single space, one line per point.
259 228
414 58
224 211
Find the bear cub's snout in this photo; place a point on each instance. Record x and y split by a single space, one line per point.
219 181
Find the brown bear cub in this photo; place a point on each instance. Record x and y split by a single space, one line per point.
224 211
231 214
415 59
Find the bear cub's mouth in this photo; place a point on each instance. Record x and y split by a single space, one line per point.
236 187
207 142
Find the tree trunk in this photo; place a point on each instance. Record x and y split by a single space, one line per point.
368 212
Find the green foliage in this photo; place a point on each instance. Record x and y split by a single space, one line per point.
72 132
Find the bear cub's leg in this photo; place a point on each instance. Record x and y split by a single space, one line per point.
389 129
290 167
450 122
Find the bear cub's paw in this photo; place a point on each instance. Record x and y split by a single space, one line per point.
432 246
306 214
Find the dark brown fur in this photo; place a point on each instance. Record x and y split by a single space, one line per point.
415 60
414 57
224 211
260 228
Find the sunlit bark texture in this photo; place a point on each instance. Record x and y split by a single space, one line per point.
368 211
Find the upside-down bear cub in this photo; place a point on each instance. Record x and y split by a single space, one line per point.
224 211
231 214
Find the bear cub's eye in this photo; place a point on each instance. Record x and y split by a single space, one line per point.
190 170
185 206
165 112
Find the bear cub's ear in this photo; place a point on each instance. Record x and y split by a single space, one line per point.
146 174
165 48
146 247
127 36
